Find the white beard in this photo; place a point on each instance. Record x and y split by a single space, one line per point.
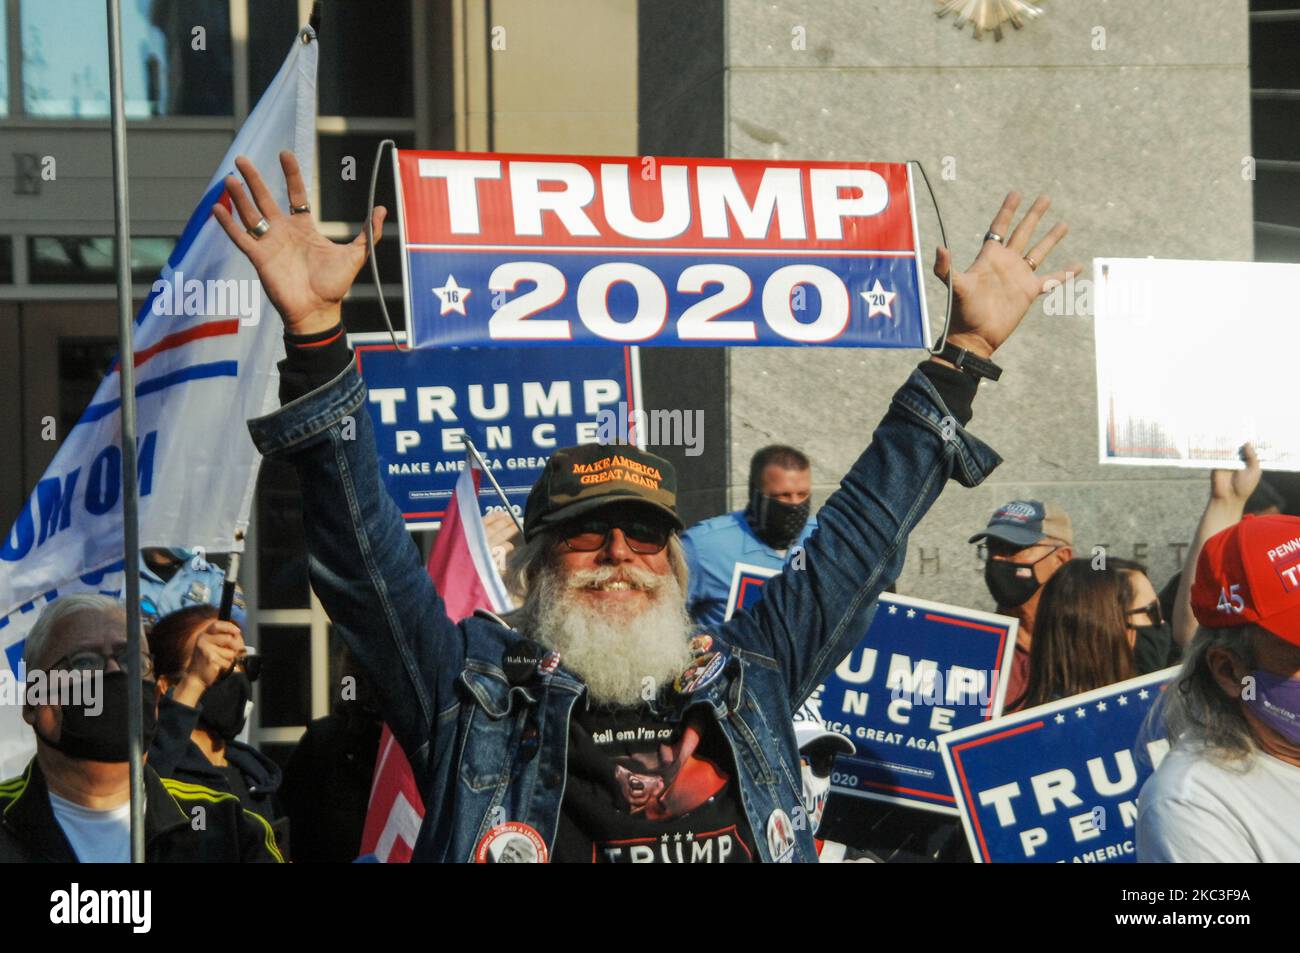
623 655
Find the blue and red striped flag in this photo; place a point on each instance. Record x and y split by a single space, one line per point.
206 345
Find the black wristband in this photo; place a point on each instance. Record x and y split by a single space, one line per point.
956 388
969 362
312 360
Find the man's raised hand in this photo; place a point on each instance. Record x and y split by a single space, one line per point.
304 273
992 296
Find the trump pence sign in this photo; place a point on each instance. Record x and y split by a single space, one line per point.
1058 782
504 250
922 669
516 406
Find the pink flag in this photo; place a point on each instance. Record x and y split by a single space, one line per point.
460 565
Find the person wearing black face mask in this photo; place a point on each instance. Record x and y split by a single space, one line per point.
206 679
1151 631
766 534
1024 544
72 803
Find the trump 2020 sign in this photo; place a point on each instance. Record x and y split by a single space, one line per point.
504 250
1060 782
516 406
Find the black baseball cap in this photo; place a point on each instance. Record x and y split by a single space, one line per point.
580 479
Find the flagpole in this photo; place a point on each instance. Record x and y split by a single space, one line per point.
126 380
469 445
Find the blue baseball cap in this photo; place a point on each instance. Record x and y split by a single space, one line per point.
1026 522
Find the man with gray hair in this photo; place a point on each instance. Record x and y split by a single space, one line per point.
73 801
1228 789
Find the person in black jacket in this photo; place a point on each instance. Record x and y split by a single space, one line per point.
205 676
72 803
327 781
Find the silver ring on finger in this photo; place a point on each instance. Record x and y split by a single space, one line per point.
260 229
1033 265
993 237
303 209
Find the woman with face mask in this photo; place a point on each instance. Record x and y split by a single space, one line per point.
206 677
1150 630
1083 637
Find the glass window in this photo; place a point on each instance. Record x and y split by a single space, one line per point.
82 364
176 57
1277 196
1275 125
1273 54
6 260
79 259
1272 244
363 314
272 27
343 199
284 687
365 59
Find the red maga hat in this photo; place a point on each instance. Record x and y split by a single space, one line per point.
1250 573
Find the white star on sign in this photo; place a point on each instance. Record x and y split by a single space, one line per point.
1101 706
1080 712
1123 699
893 610
452 296
1060 719
1143 694
911 613
879 300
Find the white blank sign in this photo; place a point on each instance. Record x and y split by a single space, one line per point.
1195 358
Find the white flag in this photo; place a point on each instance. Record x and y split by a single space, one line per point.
206 344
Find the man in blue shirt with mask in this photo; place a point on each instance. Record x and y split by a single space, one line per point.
766 533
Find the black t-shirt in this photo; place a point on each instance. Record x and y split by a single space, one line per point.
642 789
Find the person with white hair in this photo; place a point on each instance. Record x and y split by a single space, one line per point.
1229 787
72 803
599 724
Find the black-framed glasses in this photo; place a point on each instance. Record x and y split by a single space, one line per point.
88 660
644 537
1153 610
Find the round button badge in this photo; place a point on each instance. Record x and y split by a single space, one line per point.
511 843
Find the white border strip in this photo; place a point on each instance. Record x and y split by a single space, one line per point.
926 335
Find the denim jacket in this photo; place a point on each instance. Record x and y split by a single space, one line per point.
442 686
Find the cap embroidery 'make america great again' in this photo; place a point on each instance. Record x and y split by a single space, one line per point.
583 478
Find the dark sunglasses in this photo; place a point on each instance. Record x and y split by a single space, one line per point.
1153 610
821 763
644 537
250 665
